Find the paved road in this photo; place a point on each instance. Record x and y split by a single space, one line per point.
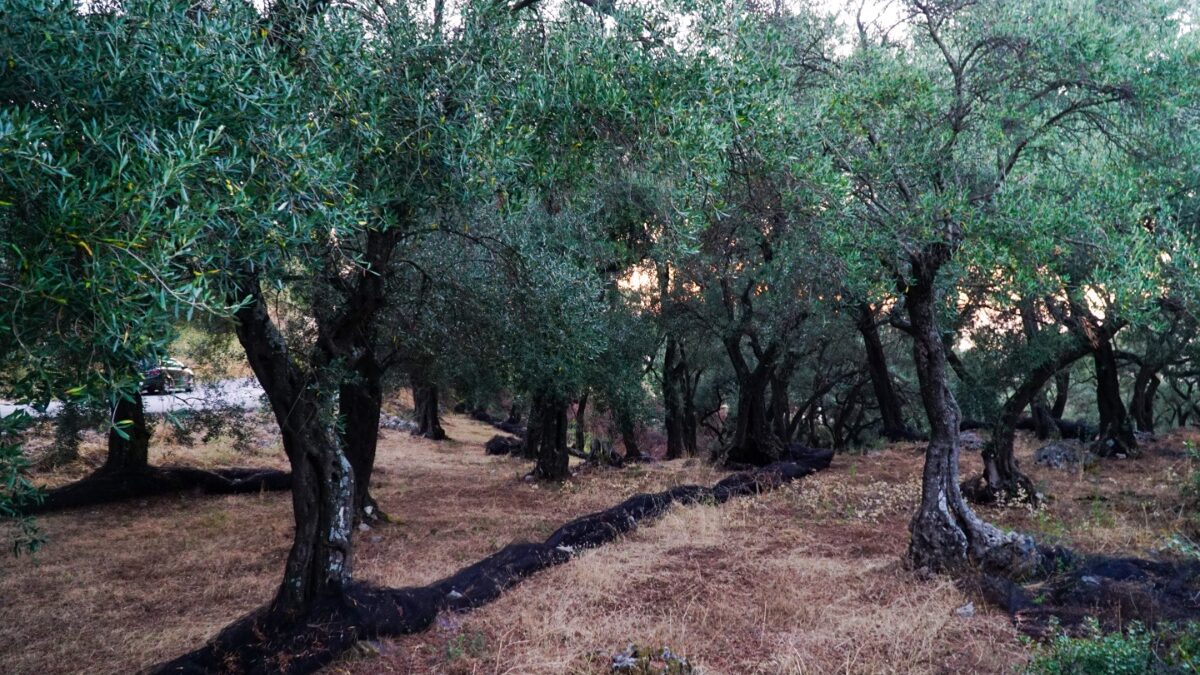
242 392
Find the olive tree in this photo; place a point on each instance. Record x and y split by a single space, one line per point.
938 129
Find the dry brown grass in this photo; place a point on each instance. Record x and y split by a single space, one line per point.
804 580
122 586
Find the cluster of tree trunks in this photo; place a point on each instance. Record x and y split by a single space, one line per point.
754 440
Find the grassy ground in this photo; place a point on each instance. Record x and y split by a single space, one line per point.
806 579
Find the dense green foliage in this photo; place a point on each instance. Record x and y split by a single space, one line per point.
749 226
1165 649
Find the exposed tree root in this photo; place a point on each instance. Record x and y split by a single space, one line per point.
104 487
257 643
1114 591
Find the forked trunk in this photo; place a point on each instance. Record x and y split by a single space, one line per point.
129 437
319 562
754 441
359 402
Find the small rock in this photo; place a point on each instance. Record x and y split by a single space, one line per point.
363 527
455 595
1089 579
966 611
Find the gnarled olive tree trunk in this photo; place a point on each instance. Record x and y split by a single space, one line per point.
319 562
946 533
553 458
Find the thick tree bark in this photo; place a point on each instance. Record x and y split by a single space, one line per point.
319 562
553 458
1116 429
129 438
1141 403
1044 424
674 413
1062 390
628 429
779 407
891 413
581 423
360 400
946 533
425 404
753 440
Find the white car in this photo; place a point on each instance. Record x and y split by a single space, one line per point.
167 377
